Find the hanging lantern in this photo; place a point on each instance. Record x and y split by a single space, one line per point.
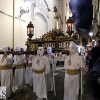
70 26
30 30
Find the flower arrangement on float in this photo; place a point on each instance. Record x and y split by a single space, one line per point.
54 34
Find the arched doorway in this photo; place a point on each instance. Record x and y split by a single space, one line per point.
40 23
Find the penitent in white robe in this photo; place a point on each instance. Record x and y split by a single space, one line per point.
49 76
19 73
71 82
6 75
29 72
53 62
39 84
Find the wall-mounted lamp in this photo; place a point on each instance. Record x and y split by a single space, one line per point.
25 9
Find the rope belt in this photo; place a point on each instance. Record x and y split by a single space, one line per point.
5 67
38 71
72 72
29 65
20 66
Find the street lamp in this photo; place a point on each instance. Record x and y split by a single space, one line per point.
91 34
70 26
30 30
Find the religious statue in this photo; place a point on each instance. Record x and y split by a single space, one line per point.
57 17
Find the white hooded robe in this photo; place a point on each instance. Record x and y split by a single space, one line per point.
6 75
29 71
71 82
19 73
39 85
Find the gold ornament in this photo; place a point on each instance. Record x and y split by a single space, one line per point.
69 62
38 62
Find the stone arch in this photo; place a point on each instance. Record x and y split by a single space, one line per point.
40 14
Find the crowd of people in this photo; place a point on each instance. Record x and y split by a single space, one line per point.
38 71
92 58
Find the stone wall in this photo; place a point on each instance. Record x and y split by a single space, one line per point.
13 29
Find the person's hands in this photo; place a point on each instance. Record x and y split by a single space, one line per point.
5 54
14 65
1 50
52 56
43 69
81 68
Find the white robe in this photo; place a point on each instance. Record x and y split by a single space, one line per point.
6 75
39 85
19 73
71 82
49 76
54 62
61 58
31 78
29 72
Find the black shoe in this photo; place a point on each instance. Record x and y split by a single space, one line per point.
8 98
49 92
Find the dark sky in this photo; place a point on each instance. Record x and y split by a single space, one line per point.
82 11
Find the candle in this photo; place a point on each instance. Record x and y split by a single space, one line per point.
69 27
81 80
29 30
81 61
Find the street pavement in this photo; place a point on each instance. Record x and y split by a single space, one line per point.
28 94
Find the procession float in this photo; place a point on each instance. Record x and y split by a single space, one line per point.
54 38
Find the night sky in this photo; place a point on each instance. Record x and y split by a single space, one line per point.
82 11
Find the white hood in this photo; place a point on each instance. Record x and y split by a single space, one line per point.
73 48
18 49
49 50
40 51
5 48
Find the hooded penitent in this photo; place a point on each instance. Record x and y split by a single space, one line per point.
49 50
73 48
6 74
40 62
18 49
72 65
40 51
5 48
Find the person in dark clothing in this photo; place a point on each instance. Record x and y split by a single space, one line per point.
95 54
88 61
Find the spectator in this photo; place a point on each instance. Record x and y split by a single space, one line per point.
95 54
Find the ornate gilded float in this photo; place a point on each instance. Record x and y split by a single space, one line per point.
55 39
